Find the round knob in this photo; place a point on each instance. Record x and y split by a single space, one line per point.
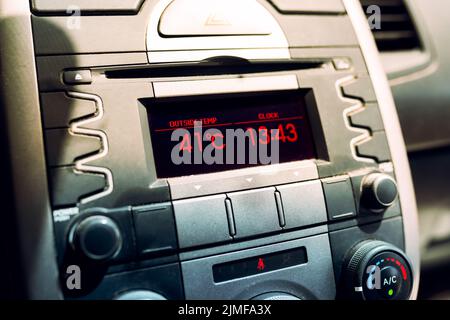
379 192
97 238
376 270
140 295
272 296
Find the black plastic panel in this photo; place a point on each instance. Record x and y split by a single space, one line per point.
164 280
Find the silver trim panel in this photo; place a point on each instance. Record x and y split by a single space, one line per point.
219 86
157 43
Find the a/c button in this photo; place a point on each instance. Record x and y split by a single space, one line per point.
391 282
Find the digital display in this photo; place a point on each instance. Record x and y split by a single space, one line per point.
219 133
260 264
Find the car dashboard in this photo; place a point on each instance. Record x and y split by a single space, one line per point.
222 150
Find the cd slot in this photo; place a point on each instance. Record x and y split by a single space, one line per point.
208 68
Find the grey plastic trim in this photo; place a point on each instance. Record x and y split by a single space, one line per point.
20 105
393 134
411 65
82 166
219 86
155 42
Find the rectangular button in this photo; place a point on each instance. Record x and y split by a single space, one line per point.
376 148
303 204
155 229
255 212
360 88
69 187
339 198
63 148
309 6
66 7
77 77
59 110
201 221
369 117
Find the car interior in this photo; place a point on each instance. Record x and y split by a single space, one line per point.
224 150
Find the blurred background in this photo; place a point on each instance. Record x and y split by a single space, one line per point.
414 44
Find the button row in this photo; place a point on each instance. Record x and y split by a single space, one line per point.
238 215
223 218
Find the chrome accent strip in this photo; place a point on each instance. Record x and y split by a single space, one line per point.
81 166
219 86
394 136
357 106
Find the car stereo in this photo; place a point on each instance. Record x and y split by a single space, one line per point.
277 118
211 149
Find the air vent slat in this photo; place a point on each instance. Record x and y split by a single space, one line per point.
397 30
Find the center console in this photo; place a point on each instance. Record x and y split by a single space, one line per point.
126 85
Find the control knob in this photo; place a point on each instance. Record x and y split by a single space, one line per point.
376 270
97 238
276 296
140 295
379 192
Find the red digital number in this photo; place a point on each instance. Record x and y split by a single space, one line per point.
264 137
293 135
185 145
279 134
220 146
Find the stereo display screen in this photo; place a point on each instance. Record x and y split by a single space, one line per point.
207 134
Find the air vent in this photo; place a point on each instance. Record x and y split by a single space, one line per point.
397 30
